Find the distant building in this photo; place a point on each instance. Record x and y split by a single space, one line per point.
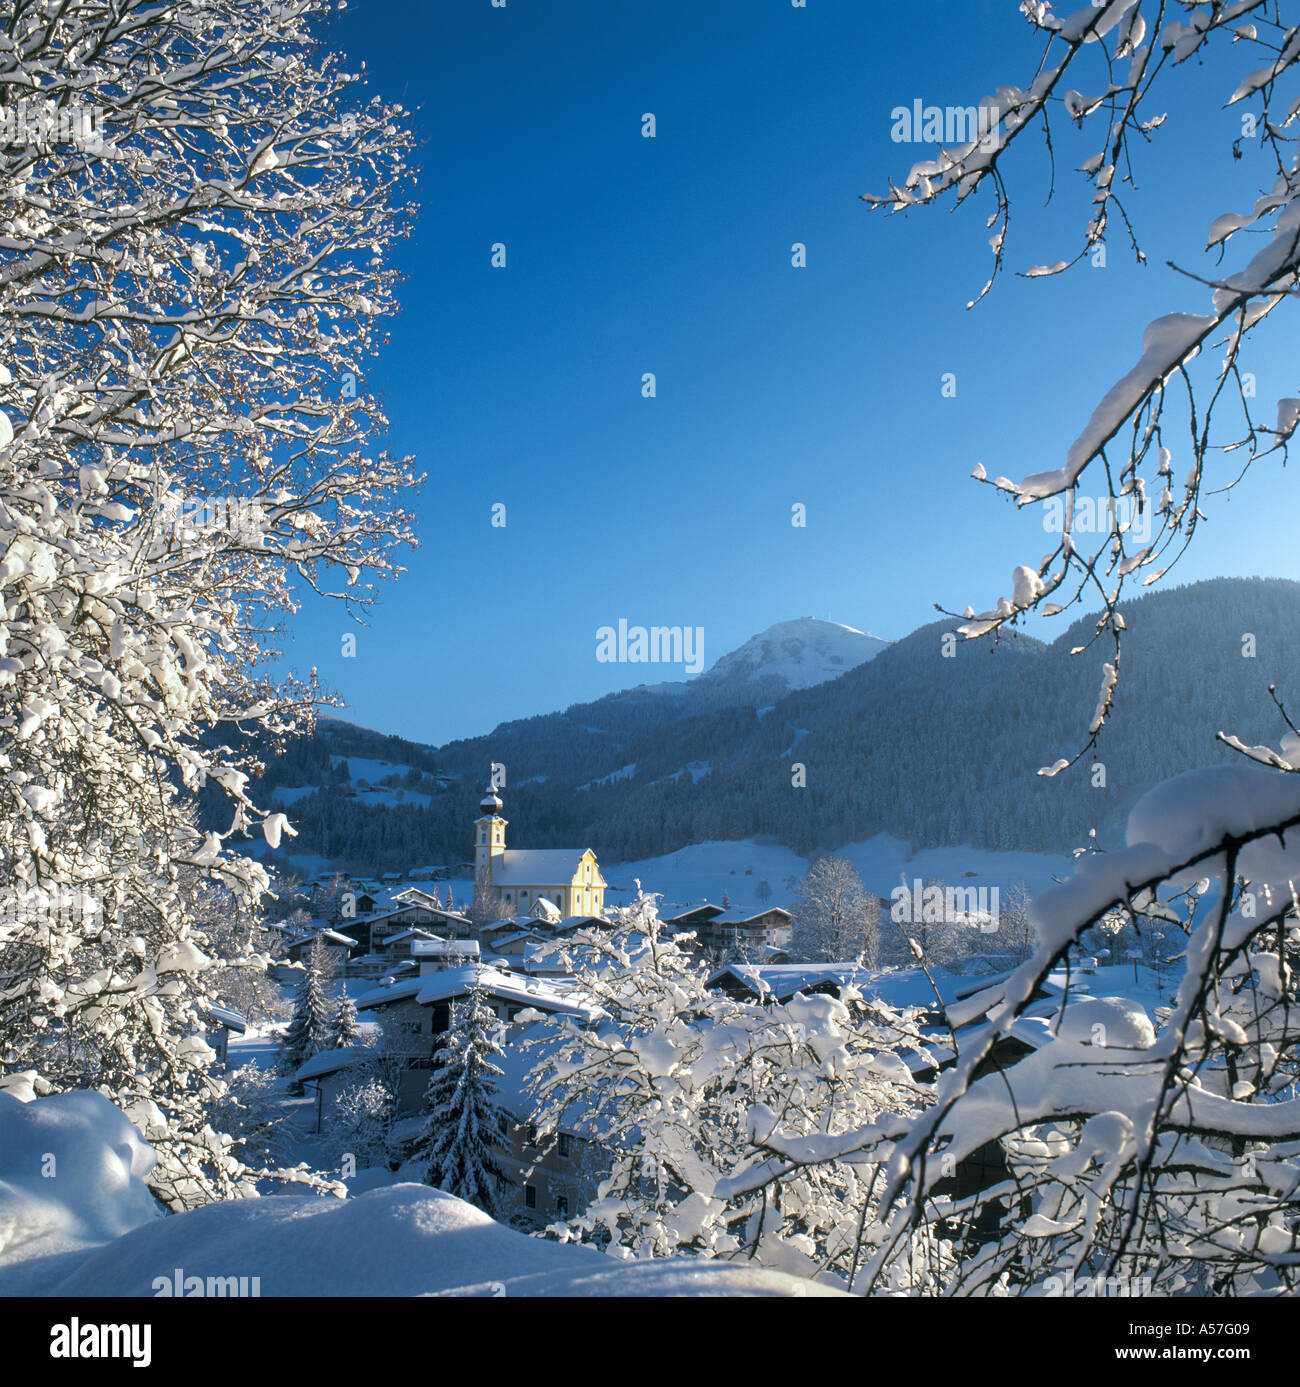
734 929
567 877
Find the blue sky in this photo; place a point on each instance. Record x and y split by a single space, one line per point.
776 385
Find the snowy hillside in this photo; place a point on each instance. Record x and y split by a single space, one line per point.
703 871
641 773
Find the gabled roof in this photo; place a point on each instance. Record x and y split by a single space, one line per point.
734 915
457 982
538 867
696 915
228 1017
331 1061
535 935
436 948
330 936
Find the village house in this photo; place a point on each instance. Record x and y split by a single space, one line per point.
337 946
568 877
415 1013
734 929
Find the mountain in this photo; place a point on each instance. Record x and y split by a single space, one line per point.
792 655
933 744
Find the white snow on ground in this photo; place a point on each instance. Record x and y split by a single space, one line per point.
704 870
77 1219
401 1241
72 1171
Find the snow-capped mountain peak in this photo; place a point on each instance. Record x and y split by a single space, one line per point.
800 653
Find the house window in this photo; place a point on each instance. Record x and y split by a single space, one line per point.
530 1197
566 1145
532 1134
562 1205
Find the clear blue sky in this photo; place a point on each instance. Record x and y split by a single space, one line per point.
775 385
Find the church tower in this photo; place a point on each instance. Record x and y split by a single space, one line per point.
489 841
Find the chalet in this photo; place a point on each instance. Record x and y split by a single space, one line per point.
415 1012
514 944
330 1072
516 877
431 954
338 946
734 930
693 919
371 931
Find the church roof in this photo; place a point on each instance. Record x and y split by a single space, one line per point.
538 866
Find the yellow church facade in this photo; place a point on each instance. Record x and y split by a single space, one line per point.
567 877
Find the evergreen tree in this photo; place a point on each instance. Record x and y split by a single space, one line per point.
347 1031
463 1109
309 1029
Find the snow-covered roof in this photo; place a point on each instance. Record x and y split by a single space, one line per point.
695 914
383 996
415 932
331 936
538 867
228 1017
331 1061
518 934
440 948
572 922
545 996
734 915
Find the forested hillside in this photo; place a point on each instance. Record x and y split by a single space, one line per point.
936 749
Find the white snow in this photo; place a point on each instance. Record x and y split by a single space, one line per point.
72 1171
803 653
403 1240
702 871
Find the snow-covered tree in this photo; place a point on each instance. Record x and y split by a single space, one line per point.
834 917
463 1108
1157 1150
311 1028
347 1030
192 275
679 1088
361 1117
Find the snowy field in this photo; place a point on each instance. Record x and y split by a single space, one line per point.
704 871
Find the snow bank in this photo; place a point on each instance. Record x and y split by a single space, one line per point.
401 1241
72 1171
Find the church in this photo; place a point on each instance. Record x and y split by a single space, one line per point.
567 877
